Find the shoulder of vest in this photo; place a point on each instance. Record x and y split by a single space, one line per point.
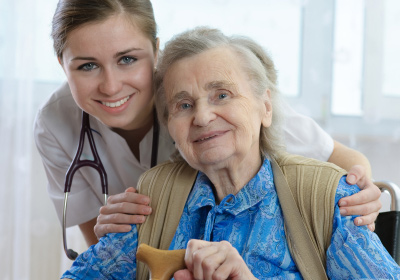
286 160
165 166
164 175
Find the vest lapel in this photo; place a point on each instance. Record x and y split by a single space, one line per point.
301 246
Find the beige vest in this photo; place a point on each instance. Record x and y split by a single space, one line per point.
306 189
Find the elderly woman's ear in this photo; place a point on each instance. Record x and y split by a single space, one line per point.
267 114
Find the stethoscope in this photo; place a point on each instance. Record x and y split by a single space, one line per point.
96 164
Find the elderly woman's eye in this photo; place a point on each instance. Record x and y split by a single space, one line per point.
185 106
222 95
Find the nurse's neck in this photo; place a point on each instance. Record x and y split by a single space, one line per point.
135 136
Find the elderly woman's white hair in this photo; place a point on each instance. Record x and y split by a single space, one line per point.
255 62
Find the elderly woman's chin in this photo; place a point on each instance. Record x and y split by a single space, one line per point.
219 156
200 159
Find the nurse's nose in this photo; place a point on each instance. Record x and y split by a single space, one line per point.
203 113
110 83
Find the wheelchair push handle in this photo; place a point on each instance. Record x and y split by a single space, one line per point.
394 191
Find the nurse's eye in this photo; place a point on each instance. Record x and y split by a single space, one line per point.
87 66
127 60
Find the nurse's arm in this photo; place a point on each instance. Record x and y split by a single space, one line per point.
365 203
346 158
122 210
87 230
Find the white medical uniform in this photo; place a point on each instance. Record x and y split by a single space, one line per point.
57 130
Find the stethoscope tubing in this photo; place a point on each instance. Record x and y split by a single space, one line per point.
96 164
75 165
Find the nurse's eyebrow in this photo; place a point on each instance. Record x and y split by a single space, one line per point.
118 54
83 58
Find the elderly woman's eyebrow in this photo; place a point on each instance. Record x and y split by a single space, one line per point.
178 96
219 84
208 86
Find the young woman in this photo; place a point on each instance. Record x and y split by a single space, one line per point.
108 51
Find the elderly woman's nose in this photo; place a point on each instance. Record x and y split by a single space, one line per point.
110 83
203 114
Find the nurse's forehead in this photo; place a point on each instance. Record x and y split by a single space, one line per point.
96 38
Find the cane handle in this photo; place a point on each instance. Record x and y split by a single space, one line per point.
161 263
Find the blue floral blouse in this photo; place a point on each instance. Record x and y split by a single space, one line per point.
252 222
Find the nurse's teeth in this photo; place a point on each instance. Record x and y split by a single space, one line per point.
115 104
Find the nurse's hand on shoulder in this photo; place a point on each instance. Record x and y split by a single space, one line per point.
213 260
121 211
366 203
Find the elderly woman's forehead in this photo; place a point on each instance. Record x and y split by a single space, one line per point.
222 53
222 57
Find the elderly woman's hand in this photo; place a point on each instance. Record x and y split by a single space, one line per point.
121 211
366 202
213 260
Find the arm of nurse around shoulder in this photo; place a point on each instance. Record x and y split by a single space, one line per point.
122 211
305 137
366 202
355 252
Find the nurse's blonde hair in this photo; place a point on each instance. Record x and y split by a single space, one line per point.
255 62
72 14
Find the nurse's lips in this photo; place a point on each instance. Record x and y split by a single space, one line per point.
117 103
208 136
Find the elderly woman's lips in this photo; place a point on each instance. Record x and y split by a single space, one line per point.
209 136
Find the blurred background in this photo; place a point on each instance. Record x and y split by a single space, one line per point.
338 62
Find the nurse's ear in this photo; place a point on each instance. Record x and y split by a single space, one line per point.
60 61
267 110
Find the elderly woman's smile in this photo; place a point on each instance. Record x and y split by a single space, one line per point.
209 136
214 116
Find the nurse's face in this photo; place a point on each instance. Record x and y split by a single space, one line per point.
109 67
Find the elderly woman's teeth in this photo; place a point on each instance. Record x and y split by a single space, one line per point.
115 104
206 138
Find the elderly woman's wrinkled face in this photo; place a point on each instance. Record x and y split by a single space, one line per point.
214 117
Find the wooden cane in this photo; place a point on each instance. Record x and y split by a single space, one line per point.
162 263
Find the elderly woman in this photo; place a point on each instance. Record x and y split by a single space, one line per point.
252 211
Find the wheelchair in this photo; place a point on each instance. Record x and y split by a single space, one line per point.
387 225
